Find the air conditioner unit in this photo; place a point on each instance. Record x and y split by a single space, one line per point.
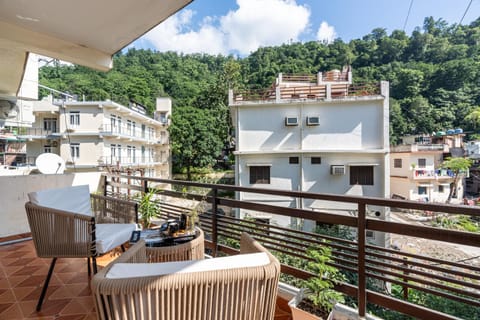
313 121
291 121
337 170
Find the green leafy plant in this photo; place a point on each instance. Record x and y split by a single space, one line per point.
149 207
320 288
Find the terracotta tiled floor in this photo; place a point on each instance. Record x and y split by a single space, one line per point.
68 296
21 279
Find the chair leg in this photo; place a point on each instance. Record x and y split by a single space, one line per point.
94 263
89 268
45 285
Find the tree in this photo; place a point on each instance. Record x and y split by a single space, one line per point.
195 136
458 166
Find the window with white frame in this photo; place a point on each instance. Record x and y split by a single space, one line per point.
129 127
113 153
163 156
47 149
119 153
134 151
129 154
75 151
134 129
119 124
50 124
113 123
74 118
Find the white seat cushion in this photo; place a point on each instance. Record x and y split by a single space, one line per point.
133 270
111 235
74 199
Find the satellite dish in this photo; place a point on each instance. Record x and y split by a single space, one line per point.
50 163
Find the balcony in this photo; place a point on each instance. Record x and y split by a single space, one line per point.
376 274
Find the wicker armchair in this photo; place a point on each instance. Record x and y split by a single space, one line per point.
63 225
240 287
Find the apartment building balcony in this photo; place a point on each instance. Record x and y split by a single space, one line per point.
426 174
130 133
133 161
375 273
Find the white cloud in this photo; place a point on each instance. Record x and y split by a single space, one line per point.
175 34
262 23
326 33
253 24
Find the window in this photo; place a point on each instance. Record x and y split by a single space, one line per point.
119 124
113 123
75 150
422 162
129 127
440 189
47 149
362 175
129 154
134 151
162 117
134 129
422 190
50 124
260 175
397 163
119 153
316 160
113 153
293 160
74 118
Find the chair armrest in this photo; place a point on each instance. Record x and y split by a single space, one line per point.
113 210
61 233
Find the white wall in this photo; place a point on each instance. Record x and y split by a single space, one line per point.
14 190
343 125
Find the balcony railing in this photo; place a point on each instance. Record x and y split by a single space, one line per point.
138 160
372 270
308 92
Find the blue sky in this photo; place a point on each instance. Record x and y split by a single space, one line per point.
241 26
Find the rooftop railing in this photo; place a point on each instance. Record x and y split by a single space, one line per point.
308 92
375 273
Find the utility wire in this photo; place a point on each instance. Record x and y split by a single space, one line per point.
408 15
466 10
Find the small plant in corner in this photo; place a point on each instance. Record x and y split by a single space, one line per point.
320 288
148 207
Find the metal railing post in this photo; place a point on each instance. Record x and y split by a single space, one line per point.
361 240
214 222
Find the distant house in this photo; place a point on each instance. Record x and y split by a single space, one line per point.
415 167
102 135
315 133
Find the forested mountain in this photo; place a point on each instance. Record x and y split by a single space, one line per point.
434 75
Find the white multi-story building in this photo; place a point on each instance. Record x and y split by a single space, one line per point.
94 135
416 167
316 134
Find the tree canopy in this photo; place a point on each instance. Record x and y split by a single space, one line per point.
434 76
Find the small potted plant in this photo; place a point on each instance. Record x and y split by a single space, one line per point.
318 297
148 208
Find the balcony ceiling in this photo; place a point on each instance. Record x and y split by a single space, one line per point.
84 32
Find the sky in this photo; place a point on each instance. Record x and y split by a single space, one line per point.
239 27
